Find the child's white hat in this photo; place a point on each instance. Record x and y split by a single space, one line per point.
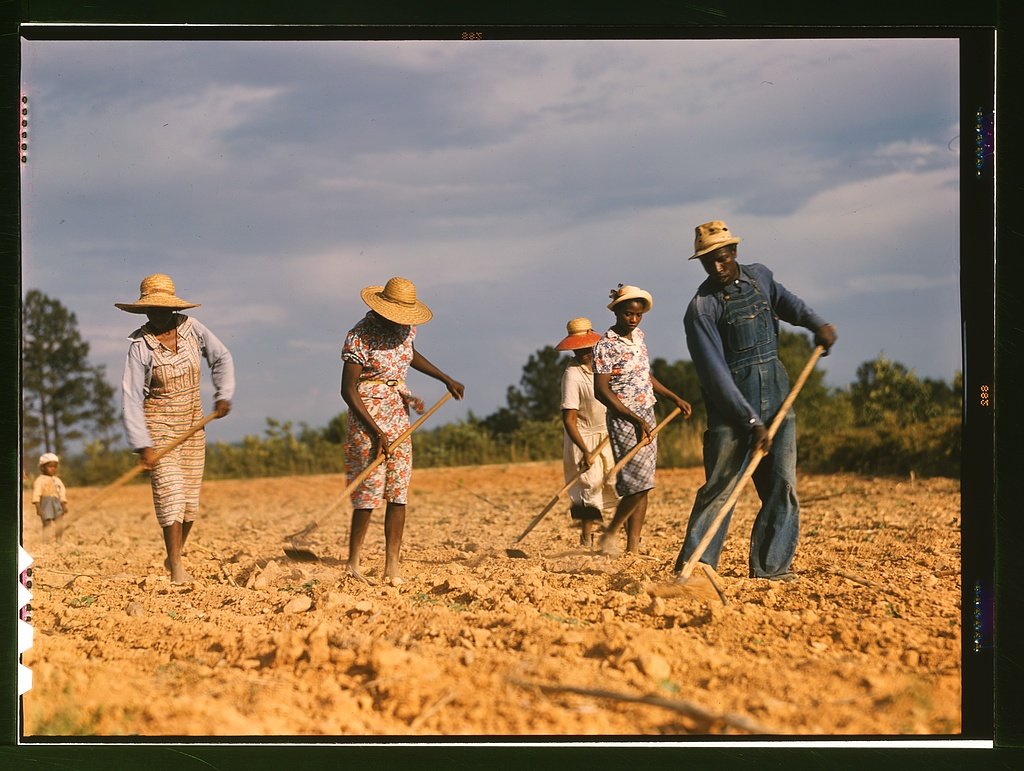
48 457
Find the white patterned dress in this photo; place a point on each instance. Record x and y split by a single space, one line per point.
627 363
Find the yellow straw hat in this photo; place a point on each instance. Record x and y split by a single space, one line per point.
156 291
396 301
710 236
625 292
581 335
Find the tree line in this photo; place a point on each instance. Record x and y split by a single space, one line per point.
888 421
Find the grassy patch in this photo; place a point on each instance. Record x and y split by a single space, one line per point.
306 588
668 685
83 602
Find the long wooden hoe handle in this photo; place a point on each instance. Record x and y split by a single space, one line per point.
615 470
362 475
755 458
136 470
551 504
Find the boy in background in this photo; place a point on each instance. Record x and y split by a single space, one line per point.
49 495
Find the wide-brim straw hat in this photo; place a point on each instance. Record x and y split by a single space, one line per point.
396 301
156 291
627 292
581 335
710 236
48 457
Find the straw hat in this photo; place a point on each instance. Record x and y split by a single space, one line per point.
710 236
48 457
156 291
625 292
396 301
581 335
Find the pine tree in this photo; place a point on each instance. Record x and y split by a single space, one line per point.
62 394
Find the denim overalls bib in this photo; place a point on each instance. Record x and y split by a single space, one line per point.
748 327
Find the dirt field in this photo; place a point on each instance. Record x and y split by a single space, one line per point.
477 643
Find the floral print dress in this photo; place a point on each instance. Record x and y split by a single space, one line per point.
384 350
629 366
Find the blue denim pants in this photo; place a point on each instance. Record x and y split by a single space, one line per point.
776 529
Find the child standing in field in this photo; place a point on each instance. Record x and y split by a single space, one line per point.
583 418
624 383
49 495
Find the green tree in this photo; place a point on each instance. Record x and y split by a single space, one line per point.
816 403
538 397
62 394
336 430
680 377
105 419
886 391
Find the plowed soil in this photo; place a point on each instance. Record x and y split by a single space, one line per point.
477 643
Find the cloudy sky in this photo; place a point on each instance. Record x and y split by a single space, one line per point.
515 182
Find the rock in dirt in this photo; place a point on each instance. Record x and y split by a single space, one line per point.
267 576
654 666
299 604
134 609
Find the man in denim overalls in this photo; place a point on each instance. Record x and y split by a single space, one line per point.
732 327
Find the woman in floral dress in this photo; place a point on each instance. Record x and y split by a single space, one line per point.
377 355
623 382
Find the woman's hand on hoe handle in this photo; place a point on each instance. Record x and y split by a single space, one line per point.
455 388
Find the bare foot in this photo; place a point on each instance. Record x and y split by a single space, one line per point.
394 580
180 576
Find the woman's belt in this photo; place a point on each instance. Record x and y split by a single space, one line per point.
399 384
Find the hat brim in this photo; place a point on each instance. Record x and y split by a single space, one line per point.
576 342
645 297
400 313
726 242
176 304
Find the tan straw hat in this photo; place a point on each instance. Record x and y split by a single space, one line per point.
581 335
625 292
48 457
710 236
396 301
156 291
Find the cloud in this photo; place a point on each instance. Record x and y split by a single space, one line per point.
514 181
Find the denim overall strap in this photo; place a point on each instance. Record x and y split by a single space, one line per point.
748 326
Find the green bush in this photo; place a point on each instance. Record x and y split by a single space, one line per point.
888 422
929 448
